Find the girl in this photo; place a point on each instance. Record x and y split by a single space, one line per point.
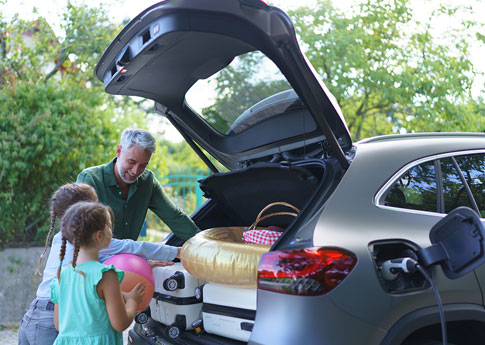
89 307
37 325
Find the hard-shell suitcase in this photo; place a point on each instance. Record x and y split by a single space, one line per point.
228 310
174 302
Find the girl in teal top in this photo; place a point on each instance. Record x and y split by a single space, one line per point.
89 307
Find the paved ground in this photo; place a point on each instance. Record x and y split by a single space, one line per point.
9 337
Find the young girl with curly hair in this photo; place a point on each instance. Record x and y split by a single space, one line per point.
37 325
89 306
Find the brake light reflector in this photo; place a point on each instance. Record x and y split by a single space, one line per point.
255 3
305 271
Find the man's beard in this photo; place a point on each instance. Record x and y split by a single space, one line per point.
121 172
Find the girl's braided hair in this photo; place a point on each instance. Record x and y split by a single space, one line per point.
78 225
60 201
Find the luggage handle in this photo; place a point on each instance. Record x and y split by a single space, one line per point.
260 216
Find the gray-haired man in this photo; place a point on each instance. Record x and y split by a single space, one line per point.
130 189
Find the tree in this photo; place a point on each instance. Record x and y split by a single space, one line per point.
56 118
389 72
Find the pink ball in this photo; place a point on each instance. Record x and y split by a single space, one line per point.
136 270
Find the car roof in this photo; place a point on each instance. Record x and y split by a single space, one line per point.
377 159
422 135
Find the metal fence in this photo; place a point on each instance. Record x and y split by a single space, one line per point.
182 188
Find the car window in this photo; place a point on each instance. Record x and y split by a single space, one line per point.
454 191
226 99
416 189
473 169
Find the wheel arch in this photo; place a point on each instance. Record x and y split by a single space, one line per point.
426 322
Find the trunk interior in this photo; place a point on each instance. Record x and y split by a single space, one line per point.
237 197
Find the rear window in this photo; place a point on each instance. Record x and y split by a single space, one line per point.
416 189
247 91
461 183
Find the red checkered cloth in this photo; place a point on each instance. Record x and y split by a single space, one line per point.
266 237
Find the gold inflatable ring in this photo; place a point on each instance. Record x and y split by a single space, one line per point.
219 255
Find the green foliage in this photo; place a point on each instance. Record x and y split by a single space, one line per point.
55 119
13 263
389 72
174 155
47 132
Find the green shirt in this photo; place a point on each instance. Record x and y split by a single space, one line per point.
145 193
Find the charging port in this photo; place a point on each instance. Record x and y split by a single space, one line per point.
398 281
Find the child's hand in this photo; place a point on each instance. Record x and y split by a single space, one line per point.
156 263
136 294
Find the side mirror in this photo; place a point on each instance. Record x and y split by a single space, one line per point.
458 243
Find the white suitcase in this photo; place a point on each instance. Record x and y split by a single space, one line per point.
174 302
228 310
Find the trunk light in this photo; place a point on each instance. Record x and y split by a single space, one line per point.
304 271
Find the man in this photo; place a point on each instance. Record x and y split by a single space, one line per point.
130 189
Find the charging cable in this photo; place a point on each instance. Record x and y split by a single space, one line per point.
390 270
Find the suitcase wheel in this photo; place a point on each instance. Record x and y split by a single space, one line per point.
176 281
142 317
173 332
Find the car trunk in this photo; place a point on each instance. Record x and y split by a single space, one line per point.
241 194
234 200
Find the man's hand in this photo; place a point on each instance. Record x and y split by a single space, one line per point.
156 263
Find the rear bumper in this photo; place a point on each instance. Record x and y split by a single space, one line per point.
154 333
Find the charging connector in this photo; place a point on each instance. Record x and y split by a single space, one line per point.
390 269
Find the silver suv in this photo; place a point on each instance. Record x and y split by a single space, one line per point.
358 265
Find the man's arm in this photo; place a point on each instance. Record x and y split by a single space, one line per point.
180 224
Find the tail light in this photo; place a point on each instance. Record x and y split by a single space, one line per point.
304 271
